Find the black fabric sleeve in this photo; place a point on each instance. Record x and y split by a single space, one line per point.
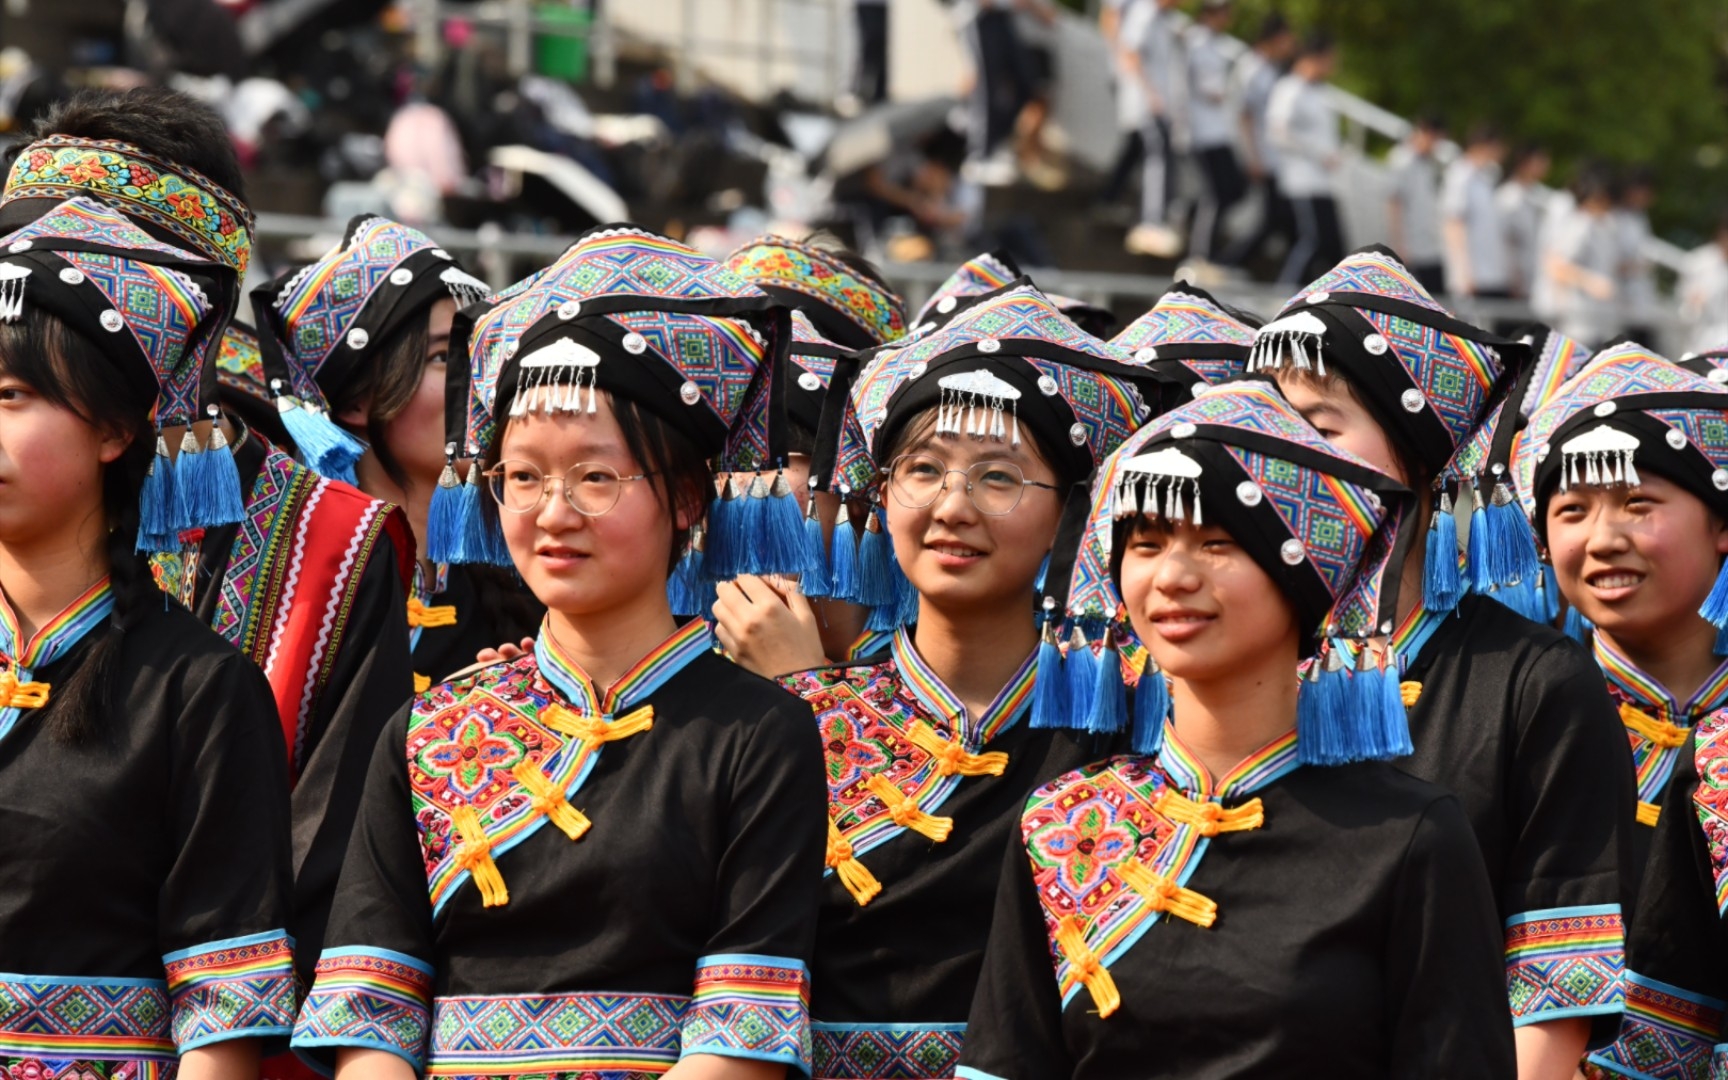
1445 987
370 680
1015 1028
223 906
378 958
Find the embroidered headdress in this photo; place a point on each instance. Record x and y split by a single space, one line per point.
973 278
1630 411
1190 335
1325 526
1007 365
145 305
643 317
848 307
1430 379
320 322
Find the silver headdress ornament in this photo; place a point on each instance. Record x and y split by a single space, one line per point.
1156 484
566 368
1293 341
978 404
12 292
1603 455
464 287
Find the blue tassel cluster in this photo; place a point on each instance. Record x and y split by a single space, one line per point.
815 581
1151 709
1350 712
1049 687
759 529
688 591
1715 607
1502 544
843 560
157 505
324 447
444 516
1442 584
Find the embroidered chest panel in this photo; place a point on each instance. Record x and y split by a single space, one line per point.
1104 842
1655 740
1710 799
467 741
863 714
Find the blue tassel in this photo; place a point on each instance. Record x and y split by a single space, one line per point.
1080 668
684 589
1524 597
481 541
1549 585
444 516
1151 709
1442 585
843 561
1049 686
1483 540
227 503
1322 708
156 504
815 580
1109 694
883 618
749 525
1391 723
1715 608
1514 557
1722 642
324 448
875 577
1576 626
721 562
467 541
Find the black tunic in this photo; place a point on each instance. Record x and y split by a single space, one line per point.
1677 951
1515 720
489 608
145 897
894 977
334 695
1329 954
472 934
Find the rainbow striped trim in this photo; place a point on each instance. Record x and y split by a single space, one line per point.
57 1018
937 700
1271 762
586 1033
646 676
750 1006
238 988
1560 367
54 640
370 999
1667 1033
1565 962
1654 764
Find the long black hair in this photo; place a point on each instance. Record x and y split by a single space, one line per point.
69 371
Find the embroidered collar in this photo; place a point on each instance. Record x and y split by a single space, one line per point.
1646 692
1269 763
646 676
941 703
55 639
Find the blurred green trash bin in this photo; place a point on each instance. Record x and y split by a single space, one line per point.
562 53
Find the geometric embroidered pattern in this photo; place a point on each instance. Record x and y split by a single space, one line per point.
1454 374
232 989
781 263
1560 359
57 1019
370 998
1180 319
1367 272
36 1068
1710 797
240 366
975 277
181 200
1666 1034
1565 962
886 1052
751 1007
584 1033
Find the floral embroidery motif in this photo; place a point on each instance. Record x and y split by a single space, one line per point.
1710 797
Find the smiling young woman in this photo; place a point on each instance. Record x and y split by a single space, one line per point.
1251 893
617 834
973 439
131 750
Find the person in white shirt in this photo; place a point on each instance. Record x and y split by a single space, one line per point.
1150 41
1584 259
1703 292
1302 126
1255 74
1522 201
1413 207
1476 259
1130 100
1211 134
1636 275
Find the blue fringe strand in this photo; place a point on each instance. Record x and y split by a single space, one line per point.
843 561
1442 586
1109 695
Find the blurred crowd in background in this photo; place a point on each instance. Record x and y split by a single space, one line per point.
1151 138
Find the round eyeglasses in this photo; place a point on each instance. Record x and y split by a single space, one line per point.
591 488
995 487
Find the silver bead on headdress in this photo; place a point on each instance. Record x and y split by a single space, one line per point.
1603 455
564 369
978 404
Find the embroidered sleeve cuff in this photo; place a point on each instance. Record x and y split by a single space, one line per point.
369 999
238 988
1667 1033
1565 962
749 1006
967 1073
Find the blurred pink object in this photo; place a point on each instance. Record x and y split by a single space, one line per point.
422 140
458 32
